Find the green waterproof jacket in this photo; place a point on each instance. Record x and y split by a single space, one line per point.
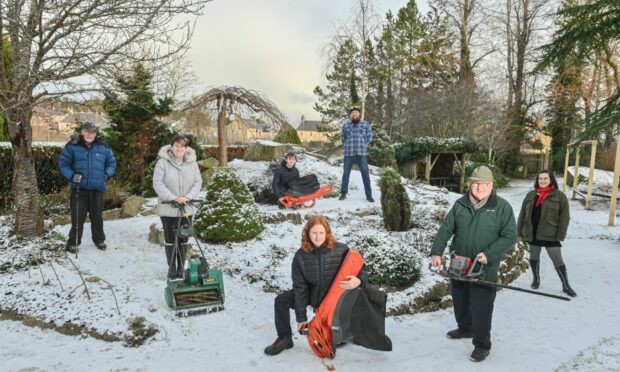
490 230
554 217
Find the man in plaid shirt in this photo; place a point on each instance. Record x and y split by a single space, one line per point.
356 136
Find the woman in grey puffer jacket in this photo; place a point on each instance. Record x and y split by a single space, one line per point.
177 178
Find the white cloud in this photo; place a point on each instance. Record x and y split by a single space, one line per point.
272 46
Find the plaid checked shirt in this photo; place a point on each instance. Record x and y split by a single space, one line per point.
356 138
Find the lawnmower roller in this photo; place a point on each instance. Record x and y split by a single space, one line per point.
201 289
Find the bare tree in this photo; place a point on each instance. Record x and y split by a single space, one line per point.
362 28
467 18
238 101
63 47
177 81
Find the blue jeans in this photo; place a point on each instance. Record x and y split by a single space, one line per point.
362 163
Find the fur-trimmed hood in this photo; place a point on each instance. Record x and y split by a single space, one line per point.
166 154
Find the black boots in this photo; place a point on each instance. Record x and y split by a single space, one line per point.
479 354
457 334
279 345
534 264
564 278
343 196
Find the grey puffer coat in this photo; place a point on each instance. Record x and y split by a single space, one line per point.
171 181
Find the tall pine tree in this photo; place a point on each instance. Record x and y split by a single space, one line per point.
135 133
340 94
564 92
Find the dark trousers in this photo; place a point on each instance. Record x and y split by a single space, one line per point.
175 257
86 202
362 163
282 309
473 310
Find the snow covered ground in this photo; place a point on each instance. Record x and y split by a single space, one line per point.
530 332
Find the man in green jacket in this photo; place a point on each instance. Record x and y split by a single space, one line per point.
481 224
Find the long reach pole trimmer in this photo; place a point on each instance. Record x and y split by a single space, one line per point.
469 270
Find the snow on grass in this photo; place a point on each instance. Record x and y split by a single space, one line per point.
529 332
136 268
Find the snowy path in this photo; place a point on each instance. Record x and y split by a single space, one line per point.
530 333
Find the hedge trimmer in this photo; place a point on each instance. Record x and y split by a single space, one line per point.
466 269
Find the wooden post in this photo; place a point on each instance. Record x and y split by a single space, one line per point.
546 162
566 167
415 171
614 189
591 174
427 172
576 172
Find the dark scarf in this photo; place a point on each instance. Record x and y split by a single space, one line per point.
543 192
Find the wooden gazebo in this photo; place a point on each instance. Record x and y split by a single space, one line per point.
439 162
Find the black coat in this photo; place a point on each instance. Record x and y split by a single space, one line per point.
313 274
360 318
282 177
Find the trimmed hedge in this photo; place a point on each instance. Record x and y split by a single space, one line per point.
49 178
388 264
232 152
415 148
229 213
395 202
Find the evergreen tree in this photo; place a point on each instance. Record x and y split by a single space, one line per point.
586 29
562 112
136 133
381 151
384 76
340 94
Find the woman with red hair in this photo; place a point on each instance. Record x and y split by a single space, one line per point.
315 266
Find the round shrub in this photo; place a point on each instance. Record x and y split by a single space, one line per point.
395 202
387 262
229 212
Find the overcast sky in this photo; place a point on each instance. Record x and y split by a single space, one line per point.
273 46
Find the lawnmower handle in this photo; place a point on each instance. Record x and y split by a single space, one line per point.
190 201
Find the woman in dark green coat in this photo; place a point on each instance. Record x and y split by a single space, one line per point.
543 222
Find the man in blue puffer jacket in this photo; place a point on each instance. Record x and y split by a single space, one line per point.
87 163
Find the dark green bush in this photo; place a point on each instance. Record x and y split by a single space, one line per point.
229 212
49 178
388 264
415 148
395 202
380 151
501 181
232 152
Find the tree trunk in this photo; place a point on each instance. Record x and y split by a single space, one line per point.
28 214
466 72
509 55
221 131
